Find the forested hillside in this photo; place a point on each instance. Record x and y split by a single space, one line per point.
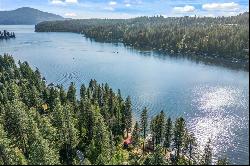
223 38
45 124
26 16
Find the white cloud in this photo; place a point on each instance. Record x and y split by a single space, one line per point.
184 9
221 6
56 2
128 5
70 14
112 3
109 8
71 1
63 2
134 2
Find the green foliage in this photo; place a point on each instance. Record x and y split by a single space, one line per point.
168 133
136 135
71 95
190 148
9 155
144 124
157 128
207 156
120 157
178 137
128 115
156 158
223 161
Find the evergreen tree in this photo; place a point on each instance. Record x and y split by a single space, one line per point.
207 156
178 136
160 128
39 149
120 157
16 124
83 92
128 115
144 125
71 95
9 155
136 135
168 134
70 133
99 148
65 123
190 146
156 158
153 130
223 161
63 95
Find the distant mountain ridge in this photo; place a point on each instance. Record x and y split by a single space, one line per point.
26 16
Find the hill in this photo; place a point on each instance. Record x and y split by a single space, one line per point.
26 16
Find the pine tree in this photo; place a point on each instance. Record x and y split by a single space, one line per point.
153 130
9 155
160 128
16 124
39 149
63 95
70 133
144 125
83 92
128 115
207 156
71 95
178 139
120 157
168 134
99 149
223 161
190 146
65 123
156 158
136 135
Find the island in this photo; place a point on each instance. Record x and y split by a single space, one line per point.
6 35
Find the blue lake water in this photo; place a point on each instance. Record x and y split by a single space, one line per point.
213 99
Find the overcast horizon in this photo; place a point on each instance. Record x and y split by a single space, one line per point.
131 8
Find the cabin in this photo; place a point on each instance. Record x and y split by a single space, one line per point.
149 144
45 107
127 142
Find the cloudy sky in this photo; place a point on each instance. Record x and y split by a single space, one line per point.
131 8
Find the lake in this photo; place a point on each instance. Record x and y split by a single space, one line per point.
213 99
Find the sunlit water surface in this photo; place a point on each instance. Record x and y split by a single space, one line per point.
214 100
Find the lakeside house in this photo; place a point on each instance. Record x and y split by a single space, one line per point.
127 142
149 143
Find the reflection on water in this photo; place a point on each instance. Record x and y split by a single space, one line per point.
217 118
213 99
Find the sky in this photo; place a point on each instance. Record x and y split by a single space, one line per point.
131 8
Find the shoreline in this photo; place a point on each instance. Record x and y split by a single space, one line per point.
232 63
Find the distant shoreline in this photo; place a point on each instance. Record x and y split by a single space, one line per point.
195 57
